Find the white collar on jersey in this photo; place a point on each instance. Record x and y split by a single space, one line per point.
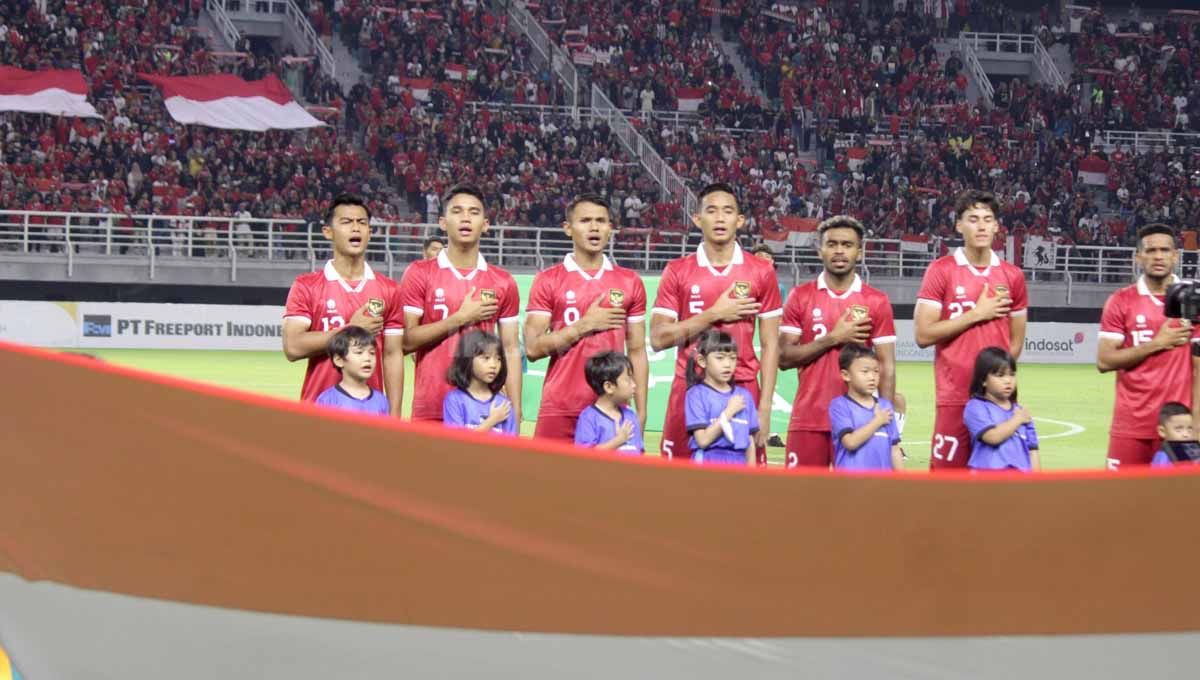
571 265
855 287
443 261
331 274
960 258
1143 289
703 261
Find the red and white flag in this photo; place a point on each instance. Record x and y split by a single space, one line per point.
855 157
914 243
230 103
689 97
802 231
456 72
1093 170
57 92
419 86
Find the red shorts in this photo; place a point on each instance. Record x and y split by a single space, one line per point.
951 445
1130 451
674 433
561 428
806 448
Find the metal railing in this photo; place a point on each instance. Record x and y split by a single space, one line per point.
1143 141
1045 64
551 56
965 45
674 188
216 9
301 23
1007 43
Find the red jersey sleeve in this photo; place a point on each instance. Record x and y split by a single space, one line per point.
933 285
667 302
793 314
412 289
1020 294
299 304
393 321
883 322
637 301
510 300
772 305
1112 319
541 295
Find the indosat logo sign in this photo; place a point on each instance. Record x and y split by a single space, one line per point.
1060 343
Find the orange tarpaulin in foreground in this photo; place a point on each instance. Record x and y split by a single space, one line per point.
113 480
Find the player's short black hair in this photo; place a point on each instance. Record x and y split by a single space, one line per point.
852 351
1171 409
973 197
343 340
763 248
718 187
345 199
605 367
991 361
432 240
1156 228
468 189
593 198
840 222
711 340
473 344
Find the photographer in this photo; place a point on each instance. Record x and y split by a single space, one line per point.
1154 355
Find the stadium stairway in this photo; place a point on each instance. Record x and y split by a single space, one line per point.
207 24
730 50
348 71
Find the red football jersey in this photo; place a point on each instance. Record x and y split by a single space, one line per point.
435 289
952 285
691 284
1133 315
325 301
563 293
811 311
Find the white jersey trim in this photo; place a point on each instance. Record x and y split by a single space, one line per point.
305 319
884 340
665 312
414 310
772 314
393 331
927 301
538 312
635 319
1109 335
791 330
510 319
1019 312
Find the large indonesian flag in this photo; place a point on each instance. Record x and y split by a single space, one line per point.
1093 170
690 97
228 102
57 92
802 231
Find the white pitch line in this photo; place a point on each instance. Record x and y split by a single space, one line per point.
1072 428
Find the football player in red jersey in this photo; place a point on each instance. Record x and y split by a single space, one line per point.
345 292
579 308
969 300
820 317
453 293
1155 357
719 286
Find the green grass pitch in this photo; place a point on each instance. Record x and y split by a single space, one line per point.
1072 404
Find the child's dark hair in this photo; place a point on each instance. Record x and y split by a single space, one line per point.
605 367
1171 409
473 344
852 351
991 361
343 340
711 340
